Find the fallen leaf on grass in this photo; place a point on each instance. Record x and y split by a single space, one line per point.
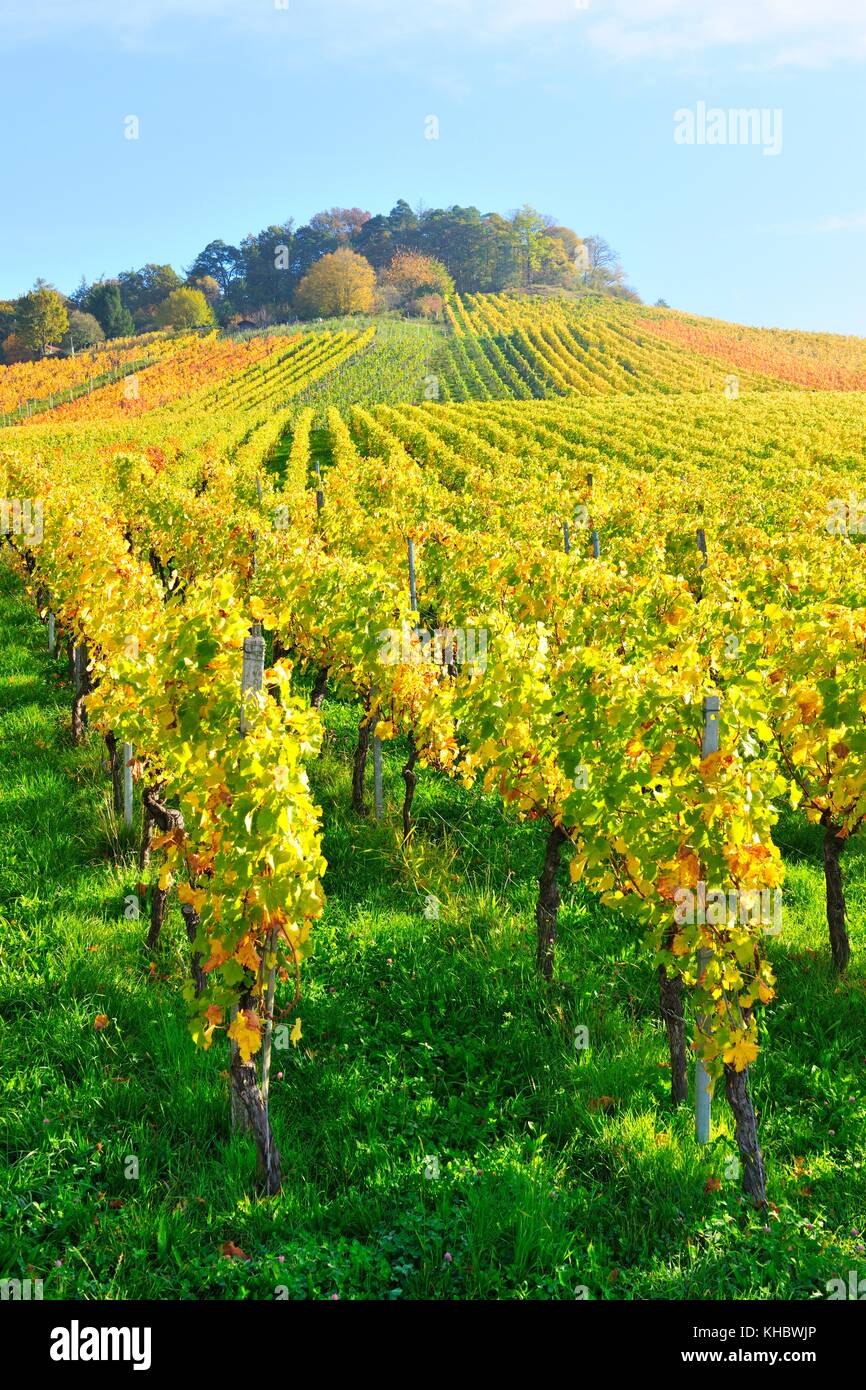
603 1103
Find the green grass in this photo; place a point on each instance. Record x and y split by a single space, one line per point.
420 1038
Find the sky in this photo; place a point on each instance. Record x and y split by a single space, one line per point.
608 115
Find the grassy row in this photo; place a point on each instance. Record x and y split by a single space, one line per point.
423 1039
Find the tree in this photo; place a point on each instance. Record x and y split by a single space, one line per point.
104 303
225 263
427 306
530 232
208 286
566 237
340 223
184 309
7 318
78 297
411 276
14 350
142 290
340 283
41 318
269 271
601 265
84 330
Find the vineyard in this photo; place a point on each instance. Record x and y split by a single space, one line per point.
435 765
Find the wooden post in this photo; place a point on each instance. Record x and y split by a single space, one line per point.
127 783
52 636
253 674
703 1097
320 496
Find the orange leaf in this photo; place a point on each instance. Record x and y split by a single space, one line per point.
603 1103
233 1252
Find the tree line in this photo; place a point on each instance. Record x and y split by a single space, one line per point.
344 260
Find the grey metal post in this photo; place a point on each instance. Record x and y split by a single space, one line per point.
596 547
52 637
566 538
127 784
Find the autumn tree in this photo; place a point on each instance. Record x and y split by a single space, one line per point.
208 286
184 309
142 290
340 283
14 350
7 318
410 276
340 223
41 318
84 330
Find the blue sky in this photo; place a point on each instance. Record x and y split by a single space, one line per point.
252 111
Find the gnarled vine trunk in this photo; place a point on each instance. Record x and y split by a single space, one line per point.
82 690
410 779
672 1006
320 689
547 909
359 765
746 1133
116 771
840 946
167 819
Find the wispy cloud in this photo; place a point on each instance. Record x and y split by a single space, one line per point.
853 222
823 226
765 33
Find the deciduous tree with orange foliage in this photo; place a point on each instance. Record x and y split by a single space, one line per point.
340 283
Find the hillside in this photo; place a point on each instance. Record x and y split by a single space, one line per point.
410 683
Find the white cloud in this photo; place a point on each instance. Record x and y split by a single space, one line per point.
771 33
766 33
852 222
